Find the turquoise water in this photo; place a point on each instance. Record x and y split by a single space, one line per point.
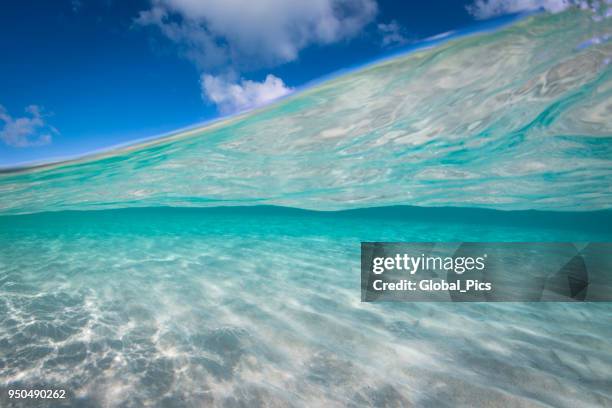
515 119
200 269
260 306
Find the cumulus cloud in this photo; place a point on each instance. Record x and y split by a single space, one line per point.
483 9
232 96
25 131
225 37
392 34
249 34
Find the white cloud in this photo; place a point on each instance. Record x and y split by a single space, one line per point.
392 34
225 37
232 96
483 9
249 34
25 131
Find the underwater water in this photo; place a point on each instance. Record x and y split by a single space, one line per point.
199 270
260 306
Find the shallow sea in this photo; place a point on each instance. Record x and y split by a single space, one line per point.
261 306
206 269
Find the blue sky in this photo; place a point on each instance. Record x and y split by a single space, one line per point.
77 76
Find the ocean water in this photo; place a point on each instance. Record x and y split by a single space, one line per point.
260 306
514 119
220 266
